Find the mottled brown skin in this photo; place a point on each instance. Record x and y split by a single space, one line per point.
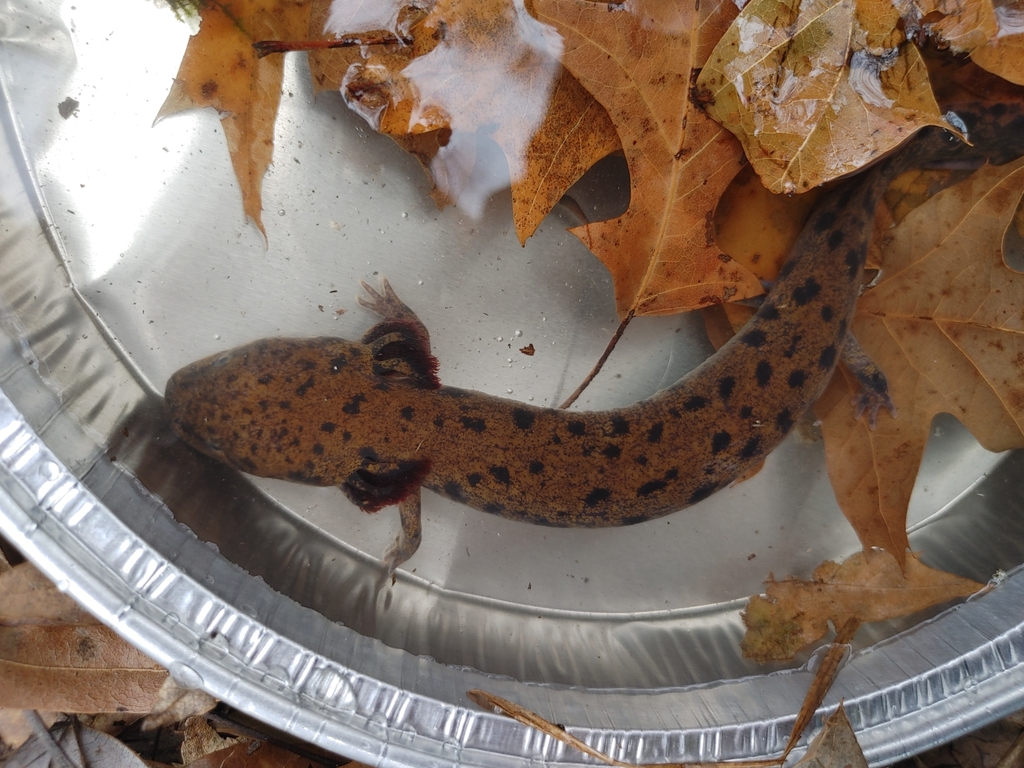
371 417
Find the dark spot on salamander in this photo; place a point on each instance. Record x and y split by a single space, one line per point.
694 403
620 426
318 449
455 491
720 441
787 268
763 373
265 379
407 413
641 460
797 378
654 433
284 404
769 312
751 448
746 412
328 426
794 345
523 418
352 406
672 474
477 425
596 496
473 478
853 260
247 463
827 313
784 421
338 363
536 467
500 474
612 451
439 422
828 356
754 338
805 293
304 387
825 221
726 385
494 508
842 328
836 238
576 428
346 436
264 404
702 492
367 454
651 486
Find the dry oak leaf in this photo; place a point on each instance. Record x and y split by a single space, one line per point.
806 101
946 325
55 657
835 746
253 754
484 68
960 24
637 60
868 586
220 70
1003 54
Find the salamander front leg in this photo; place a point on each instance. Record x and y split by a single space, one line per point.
874 389
408 540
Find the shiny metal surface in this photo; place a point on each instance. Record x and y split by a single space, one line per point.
124 255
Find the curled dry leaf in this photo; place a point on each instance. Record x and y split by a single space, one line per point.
808 102
946 325
868 586
662 252
481 68
220 70
835 746
78 744
176 704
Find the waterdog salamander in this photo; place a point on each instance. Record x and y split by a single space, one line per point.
373 418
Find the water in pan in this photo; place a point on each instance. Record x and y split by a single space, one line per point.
148 222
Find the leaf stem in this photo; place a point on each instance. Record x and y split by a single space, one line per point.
374 37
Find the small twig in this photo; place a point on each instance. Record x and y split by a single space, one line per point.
1014 755
41 732
822 682
375 37
600 363
522 715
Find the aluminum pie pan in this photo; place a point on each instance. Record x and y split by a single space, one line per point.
196 581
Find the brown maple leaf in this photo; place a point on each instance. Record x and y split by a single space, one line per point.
220 69
946 324
637 61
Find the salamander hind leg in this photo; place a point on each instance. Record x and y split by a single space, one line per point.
874 388
399 343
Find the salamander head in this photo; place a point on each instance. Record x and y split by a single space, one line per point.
310 410
266 407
